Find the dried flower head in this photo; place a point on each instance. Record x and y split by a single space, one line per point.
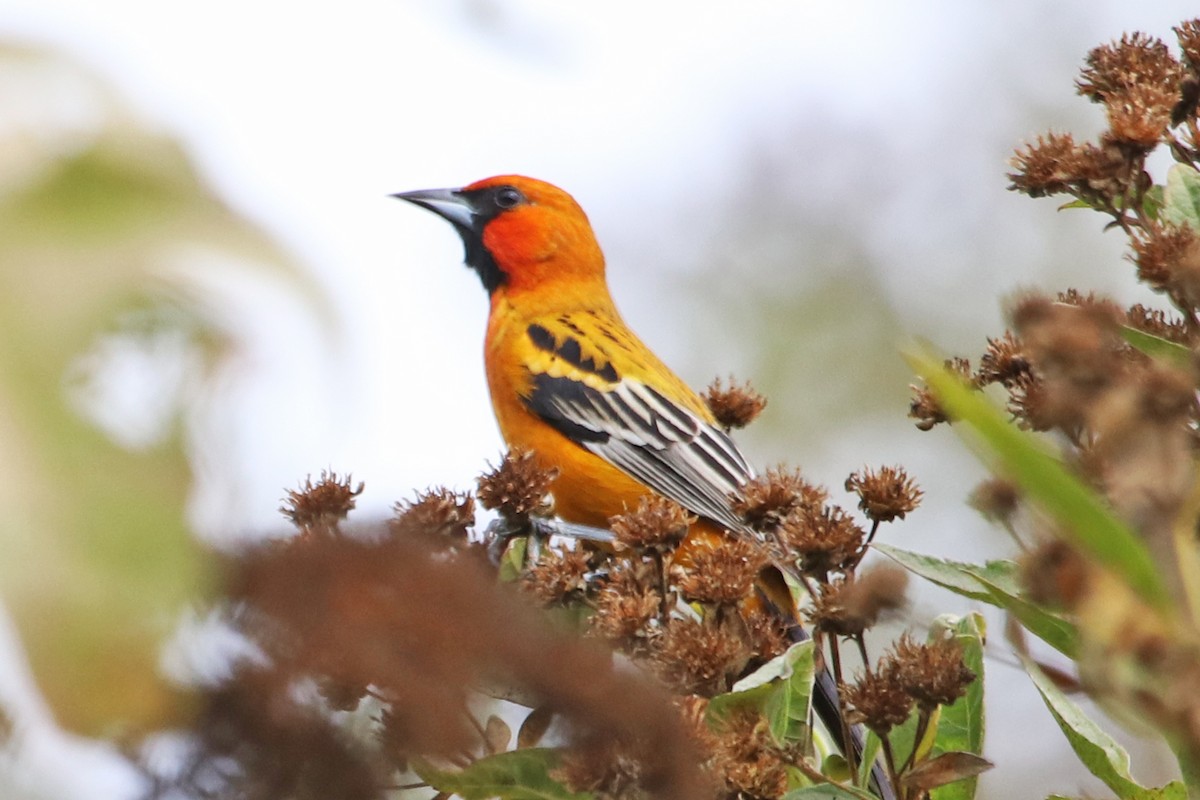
319 507
886 494
877 700
1051 165
735 407
767 631
627 609
746 755
1188 34
657 524
559 576
1135 61
925 408
517 487
934 673
439 511
1055 574
1003 362
996 499
769 499
695 657
827 540
851 605
605 768
722 574
1155 322
1168 260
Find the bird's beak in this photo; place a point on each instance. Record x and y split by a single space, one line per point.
450 204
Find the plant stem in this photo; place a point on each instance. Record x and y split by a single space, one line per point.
847 737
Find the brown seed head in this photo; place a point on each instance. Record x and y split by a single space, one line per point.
317 508
933 674
849 606
996 499
1003 362
827 540
657 524
925 408
1137 60
735 407
626 609
1188 34
559 577
606 768
877 700
435 512
747 757
1053 164
1055 574
886 494
1155 322
698 658
769 499
724 574
1168 260
767 631
517 487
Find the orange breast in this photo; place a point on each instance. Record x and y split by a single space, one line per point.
588 489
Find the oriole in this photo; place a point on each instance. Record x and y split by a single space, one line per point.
571 382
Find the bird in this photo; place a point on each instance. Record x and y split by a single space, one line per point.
573 384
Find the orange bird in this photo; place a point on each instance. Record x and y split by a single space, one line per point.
571 382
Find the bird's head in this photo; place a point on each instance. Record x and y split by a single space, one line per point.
519 233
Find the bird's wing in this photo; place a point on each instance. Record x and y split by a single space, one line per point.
580 388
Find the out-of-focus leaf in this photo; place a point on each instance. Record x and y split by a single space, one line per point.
515 775
98 560
1182 197
497 734
1080 513
534 727
960 729
1173 353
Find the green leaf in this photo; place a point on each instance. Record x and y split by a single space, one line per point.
97 244
961 724
1182 197
1153 201
1098 751
1054 630
871 749
1082 515
781 689
828 791
1173 353
515 775
959 577
512 563
994 583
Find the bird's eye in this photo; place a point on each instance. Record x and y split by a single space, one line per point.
509 197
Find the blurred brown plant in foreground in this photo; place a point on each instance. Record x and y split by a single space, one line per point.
406 625
1114 389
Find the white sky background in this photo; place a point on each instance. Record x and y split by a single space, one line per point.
650 114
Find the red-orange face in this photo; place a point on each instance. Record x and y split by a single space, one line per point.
519 232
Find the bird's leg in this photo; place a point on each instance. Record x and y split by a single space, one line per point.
500 531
